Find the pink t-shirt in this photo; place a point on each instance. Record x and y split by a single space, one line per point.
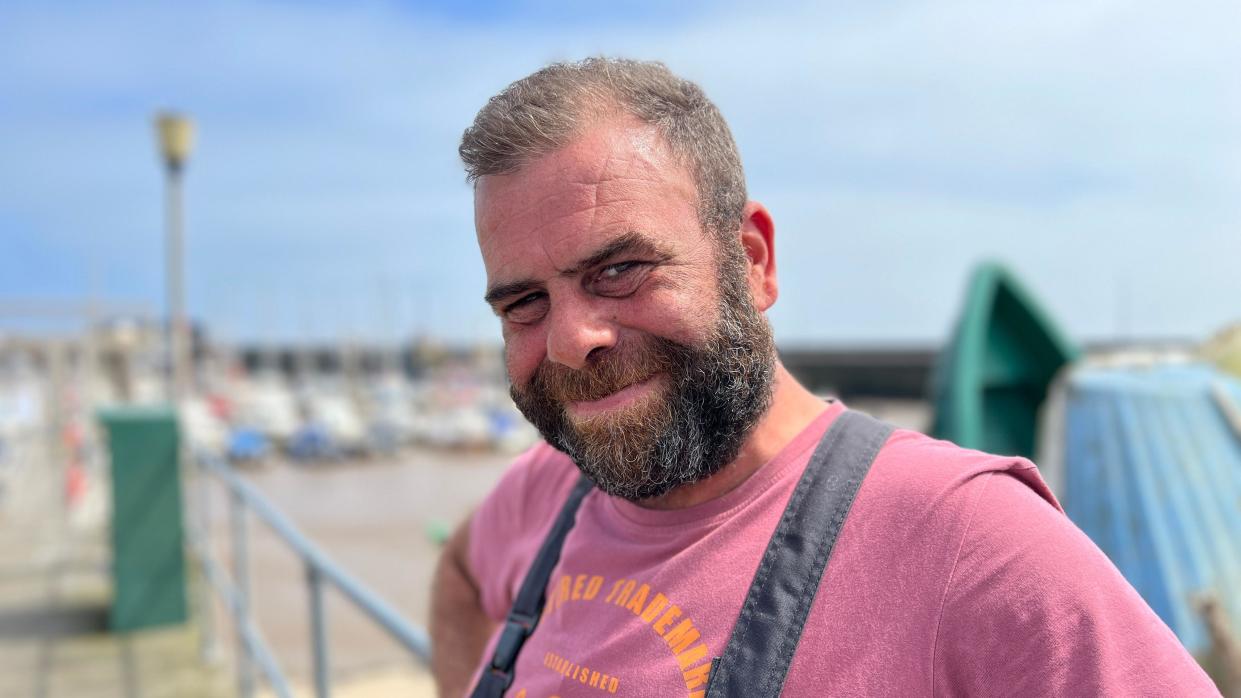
956 573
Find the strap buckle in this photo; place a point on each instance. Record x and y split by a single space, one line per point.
516 629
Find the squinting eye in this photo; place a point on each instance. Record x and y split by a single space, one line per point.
620 279
615 270
527 310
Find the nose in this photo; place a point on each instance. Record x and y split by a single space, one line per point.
575 331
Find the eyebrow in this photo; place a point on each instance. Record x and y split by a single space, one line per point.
629 243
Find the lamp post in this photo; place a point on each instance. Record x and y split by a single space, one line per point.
175 134
175 138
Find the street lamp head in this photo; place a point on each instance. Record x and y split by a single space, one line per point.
176 138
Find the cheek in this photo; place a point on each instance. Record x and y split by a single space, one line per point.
523 352
684 317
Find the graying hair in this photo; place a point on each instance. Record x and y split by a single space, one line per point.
544 111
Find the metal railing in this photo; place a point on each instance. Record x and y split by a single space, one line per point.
320 570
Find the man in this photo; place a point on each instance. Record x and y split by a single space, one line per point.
630 274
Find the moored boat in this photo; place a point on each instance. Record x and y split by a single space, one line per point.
992 378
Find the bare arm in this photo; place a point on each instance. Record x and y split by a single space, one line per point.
459 627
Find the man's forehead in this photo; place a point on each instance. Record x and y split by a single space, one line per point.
615 153
529 199
608 181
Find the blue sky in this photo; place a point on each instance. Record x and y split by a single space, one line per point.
1094 146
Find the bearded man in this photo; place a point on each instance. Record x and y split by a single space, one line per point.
631 275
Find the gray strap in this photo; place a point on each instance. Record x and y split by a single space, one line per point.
760 650
527 608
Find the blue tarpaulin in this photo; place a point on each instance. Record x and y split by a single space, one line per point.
1152 473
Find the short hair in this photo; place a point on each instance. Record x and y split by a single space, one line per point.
544 111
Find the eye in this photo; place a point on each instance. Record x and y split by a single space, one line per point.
620 279
526 310
614 270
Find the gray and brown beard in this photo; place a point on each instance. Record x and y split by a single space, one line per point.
694 423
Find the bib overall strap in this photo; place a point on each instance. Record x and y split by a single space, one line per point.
761 647
528 606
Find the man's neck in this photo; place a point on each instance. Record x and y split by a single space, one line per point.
792 409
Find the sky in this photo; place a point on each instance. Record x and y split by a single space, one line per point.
1093 146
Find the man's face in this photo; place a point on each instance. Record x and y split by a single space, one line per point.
625 344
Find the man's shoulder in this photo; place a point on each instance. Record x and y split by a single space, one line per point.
530 492
1031 603
510 523
914 466
926 493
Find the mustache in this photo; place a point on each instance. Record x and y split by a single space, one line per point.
618 367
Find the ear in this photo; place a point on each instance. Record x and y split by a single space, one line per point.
757 236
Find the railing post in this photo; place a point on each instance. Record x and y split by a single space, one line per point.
206 601
318 631
241 580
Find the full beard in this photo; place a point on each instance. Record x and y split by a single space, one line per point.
702 405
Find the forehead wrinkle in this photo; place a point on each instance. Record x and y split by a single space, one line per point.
531 207
629 166
619 167
573 231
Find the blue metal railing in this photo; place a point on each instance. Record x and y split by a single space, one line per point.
319 570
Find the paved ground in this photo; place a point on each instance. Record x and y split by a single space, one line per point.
377 518
54 595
